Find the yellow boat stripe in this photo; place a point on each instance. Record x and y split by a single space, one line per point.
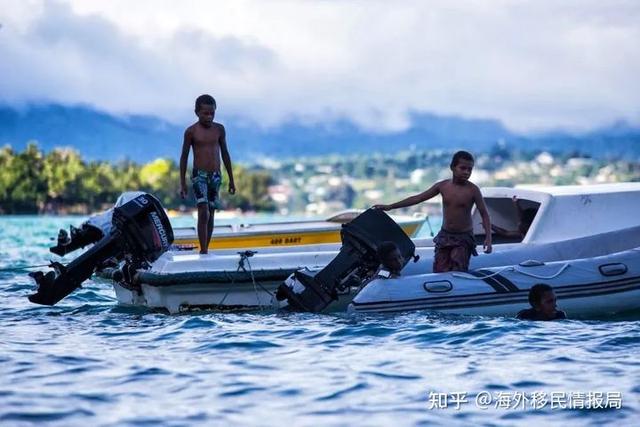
275 239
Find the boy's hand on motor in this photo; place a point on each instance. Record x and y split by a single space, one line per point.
381 207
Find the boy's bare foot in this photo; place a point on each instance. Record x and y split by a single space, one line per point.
203 252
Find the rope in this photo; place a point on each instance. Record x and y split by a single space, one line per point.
510 268
253 280
233 281
562 269
244 256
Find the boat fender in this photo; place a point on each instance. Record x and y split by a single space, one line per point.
613 269
439 286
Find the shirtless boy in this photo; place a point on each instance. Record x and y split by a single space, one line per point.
208 141
455 243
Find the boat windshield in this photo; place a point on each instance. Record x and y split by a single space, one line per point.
510 219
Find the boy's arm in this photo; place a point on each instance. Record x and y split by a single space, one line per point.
504 232
486 221
226 159
412 200
184 157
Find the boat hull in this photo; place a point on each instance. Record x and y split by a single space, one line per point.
585 288
196 296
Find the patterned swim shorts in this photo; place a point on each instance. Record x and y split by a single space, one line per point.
206 188
453 251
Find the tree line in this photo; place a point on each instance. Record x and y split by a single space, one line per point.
60 181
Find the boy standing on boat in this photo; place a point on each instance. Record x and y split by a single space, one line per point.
209 143
455 243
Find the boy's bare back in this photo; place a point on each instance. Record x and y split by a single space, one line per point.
205 142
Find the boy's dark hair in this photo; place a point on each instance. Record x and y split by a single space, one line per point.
385 248
204 99
461 155
536 292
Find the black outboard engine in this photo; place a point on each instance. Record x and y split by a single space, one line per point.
140 233
92 230
360 240
76 238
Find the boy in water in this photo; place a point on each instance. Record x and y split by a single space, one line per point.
525 218
209 143
455 243
543 305
391 259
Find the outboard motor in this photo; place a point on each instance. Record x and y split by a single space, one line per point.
91 231
360 240
140 232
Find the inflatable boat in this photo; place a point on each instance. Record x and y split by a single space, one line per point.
586 288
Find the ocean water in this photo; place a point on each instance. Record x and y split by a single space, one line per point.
88 361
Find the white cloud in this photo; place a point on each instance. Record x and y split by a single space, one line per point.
533 65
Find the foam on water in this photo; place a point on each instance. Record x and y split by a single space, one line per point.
89 361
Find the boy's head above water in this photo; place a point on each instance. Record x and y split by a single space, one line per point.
461 166
390 257
543 299
205 109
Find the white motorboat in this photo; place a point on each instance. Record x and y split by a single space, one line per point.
247 279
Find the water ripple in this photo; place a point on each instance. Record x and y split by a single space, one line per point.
91 361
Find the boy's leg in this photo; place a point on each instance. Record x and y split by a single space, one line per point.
200 191
459 258
442 260
213 188
210 225
203 222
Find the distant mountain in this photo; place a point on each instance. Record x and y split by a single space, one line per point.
97 135
616 141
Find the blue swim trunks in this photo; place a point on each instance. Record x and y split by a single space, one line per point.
206 188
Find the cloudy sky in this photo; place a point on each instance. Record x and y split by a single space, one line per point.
534 65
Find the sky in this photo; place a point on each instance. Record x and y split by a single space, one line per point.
534 65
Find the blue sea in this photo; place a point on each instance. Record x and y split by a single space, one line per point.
88 361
